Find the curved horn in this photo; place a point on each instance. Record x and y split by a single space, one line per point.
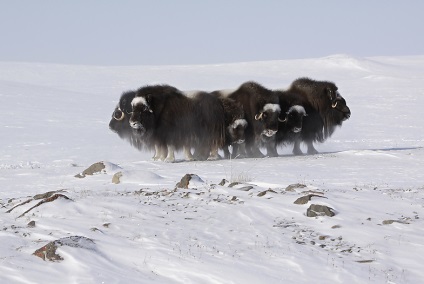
259 116
334 105
120 117
280 120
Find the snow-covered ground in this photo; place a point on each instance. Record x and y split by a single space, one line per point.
54 125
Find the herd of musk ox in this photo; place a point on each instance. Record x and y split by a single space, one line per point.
240 122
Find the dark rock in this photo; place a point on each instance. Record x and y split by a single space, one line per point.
234 184
388 222
245 188
292 187
31 224
48 252
116 179
91 170
46 200
305 199
186 180
223 182
45 195
319 210
365 261
265 192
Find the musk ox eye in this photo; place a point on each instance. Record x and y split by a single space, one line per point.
118 114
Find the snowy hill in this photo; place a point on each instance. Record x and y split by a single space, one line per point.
54 125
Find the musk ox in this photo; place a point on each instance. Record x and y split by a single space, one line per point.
327 109
235 124
162 115
261 110
120 122
208 125
173 121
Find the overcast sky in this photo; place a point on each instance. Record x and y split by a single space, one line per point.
142 32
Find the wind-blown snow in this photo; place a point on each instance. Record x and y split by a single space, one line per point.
54 124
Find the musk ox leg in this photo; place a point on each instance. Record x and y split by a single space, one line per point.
296 148
188 155
201 153
214 155
311 149
271 150
226 152
254 152
239 151
170 158
160 153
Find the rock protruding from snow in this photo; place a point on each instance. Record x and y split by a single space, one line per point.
91 170
316 210
189 180
292 187
116 179
48 252
305 199
97 168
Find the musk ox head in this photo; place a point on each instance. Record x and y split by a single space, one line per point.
120 121
338 104
122 112
142 117
294 118
268 117
236 131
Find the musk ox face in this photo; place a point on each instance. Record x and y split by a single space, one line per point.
294 118
120 121
121 115
142 117
268 118
339 105
337 102
236 131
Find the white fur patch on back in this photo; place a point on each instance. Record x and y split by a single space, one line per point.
139 100
237 122
271 107
226 92
297 108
